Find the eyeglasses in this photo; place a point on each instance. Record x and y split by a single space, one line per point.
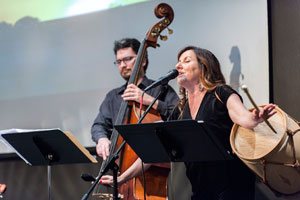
126 60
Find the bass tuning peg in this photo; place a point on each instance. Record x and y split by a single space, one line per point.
170 31
163 37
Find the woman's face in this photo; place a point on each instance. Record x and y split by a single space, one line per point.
188 68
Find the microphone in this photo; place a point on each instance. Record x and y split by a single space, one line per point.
88 177
163 80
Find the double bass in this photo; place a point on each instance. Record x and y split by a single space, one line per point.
155 178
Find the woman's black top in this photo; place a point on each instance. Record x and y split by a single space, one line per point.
229 179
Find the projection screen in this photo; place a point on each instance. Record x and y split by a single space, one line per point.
55 73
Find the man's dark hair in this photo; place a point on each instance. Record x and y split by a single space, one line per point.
130 42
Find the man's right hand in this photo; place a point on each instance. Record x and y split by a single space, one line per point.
102 147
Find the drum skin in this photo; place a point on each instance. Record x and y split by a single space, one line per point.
274 157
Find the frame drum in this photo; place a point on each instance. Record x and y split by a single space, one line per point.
274 157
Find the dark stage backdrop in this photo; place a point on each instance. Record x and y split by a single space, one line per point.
285 51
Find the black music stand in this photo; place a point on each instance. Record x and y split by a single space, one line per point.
176 141
48 147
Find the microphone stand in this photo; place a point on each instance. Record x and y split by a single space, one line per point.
111 164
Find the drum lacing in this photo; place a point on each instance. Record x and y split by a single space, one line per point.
291 134
296 163
263 162
296 131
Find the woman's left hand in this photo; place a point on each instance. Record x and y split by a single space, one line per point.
264 112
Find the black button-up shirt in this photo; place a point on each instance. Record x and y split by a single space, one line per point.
108 111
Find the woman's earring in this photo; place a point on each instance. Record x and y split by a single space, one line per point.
201 88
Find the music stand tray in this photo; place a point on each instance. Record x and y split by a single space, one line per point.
176 141
47 147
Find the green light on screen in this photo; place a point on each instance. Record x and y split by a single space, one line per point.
44 10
